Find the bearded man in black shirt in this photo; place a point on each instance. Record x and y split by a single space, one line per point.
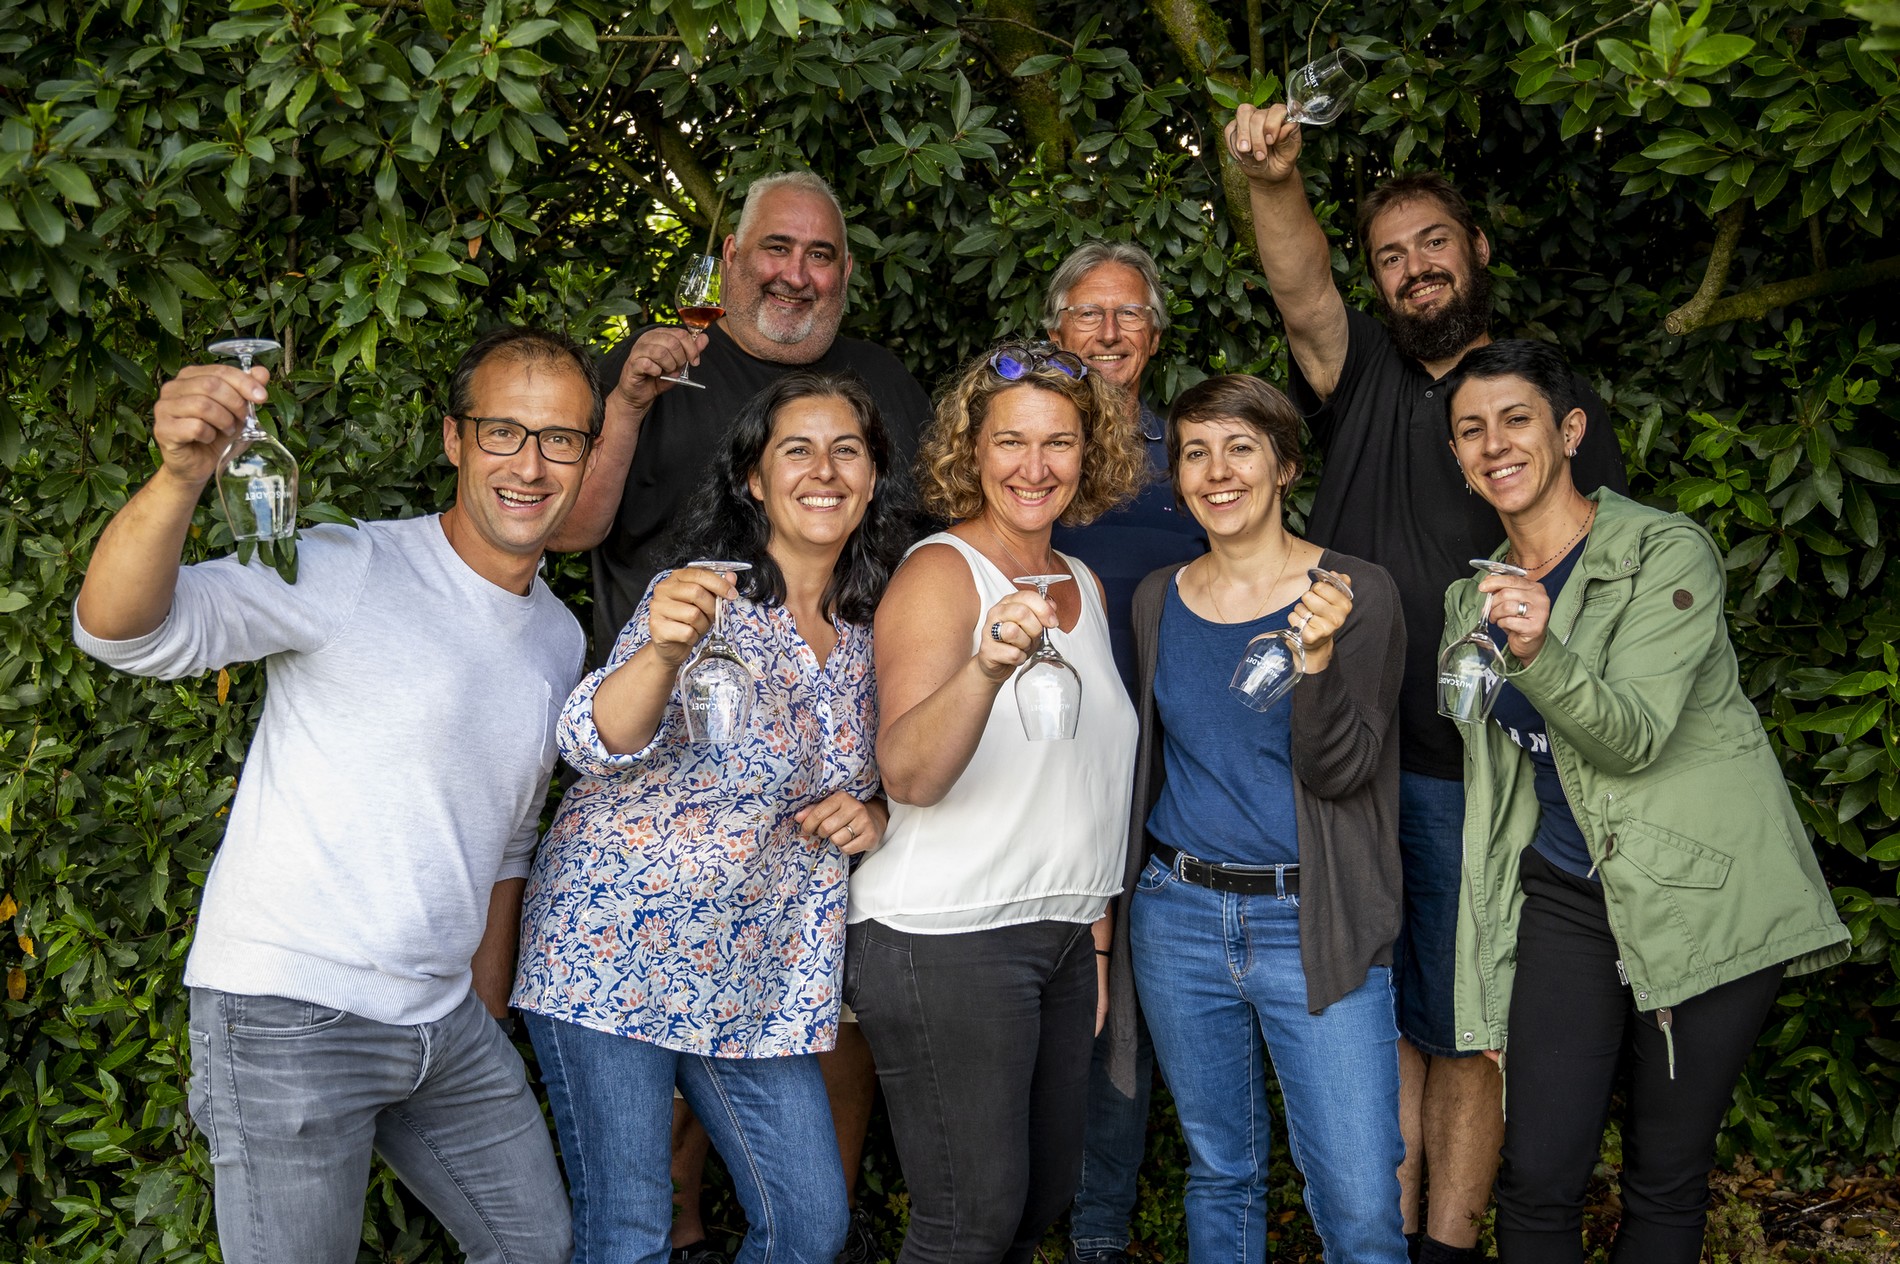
1390 492
786 272
787 268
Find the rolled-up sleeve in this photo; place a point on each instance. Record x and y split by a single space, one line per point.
577 736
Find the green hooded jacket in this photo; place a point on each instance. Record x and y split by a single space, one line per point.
1707 871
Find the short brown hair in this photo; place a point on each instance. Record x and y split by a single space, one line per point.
1114 459
1420 185
1246 399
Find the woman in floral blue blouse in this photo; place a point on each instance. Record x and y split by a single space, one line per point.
684 922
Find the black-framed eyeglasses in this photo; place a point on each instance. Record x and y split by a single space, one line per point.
1012 363
504 436
1088 317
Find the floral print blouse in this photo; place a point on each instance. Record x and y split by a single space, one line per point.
674 900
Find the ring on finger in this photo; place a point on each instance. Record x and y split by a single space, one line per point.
996 630
1523 608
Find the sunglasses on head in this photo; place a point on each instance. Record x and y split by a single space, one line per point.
1012 363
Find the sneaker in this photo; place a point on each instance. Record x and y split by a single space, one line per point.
700 1252
860 1240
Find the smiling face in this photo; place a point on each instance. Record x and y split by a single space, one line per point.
1227 474
1431 278
785 282
1029 456
1120 355
1510 447
506 507
816 476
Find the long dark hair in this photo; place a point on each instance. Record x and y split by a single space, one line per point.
723 519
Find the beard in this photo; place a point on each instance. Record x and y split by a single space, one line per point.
1445 333
819 319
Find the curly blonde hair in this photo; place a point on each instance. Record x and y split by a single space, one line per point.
1114 459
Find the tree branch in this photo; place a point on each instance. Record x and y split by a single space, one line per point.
1201 38
598 145
1014 40
1034 30
1758 302
699 184
1693 314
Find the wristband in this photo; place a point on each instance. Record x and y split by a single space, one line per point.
1103 952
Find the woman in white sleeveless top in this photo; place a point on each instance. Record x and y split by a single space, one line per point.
976 957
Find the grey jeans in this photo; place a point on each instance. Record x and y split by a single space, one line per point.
292 1098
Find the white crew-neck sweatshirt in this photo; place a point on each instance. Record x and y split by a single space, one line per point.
397 772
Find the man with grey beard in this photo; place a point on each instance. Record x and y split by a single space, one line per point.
1390 492
787 269
786 272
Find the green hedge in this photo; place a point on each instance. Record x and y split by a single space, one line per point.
372 182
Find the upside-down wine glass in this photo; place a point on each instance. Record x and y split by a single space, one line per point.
257 476
1048 690
1275 661
1471 670
716 686
1320 91
700 302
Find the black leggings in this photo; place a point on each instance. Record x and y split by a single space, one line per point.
1572 1022
982 1043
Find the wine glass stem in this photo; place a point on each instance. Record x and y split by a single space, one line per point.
250 409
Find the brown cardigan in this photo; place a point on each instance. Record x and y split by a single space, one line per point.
1346 798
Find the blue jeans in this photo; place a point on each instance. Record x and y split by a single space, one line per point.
1431 850
1112 1149
293 1097
769 1118
1216 972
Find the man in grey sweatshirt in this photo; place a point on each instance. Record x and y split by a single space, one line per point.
358 926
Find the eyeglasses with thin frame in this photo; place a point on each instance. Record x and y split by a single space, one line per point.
1013 363
504 436
1088 317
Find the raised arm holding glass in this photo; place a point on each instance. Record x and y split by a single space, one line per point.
1371 392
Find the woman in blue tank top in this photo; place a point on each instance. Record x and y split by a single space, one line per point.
1267 899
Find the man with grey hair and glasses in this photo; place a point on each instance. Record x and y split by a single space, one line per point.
787 271
1104 304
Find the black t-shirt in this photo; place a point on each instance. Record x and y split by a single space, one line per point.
1391 492
686 428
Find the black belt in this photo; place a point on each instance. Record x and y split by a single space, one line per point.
1239 879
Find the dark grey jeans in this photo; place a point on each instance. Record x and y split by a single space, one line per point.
982 1043
293 1097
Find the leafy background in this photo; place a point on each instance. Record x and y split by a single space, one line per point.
1690 201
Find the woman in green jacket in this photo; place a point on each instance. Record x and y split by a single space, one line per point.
1636 881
